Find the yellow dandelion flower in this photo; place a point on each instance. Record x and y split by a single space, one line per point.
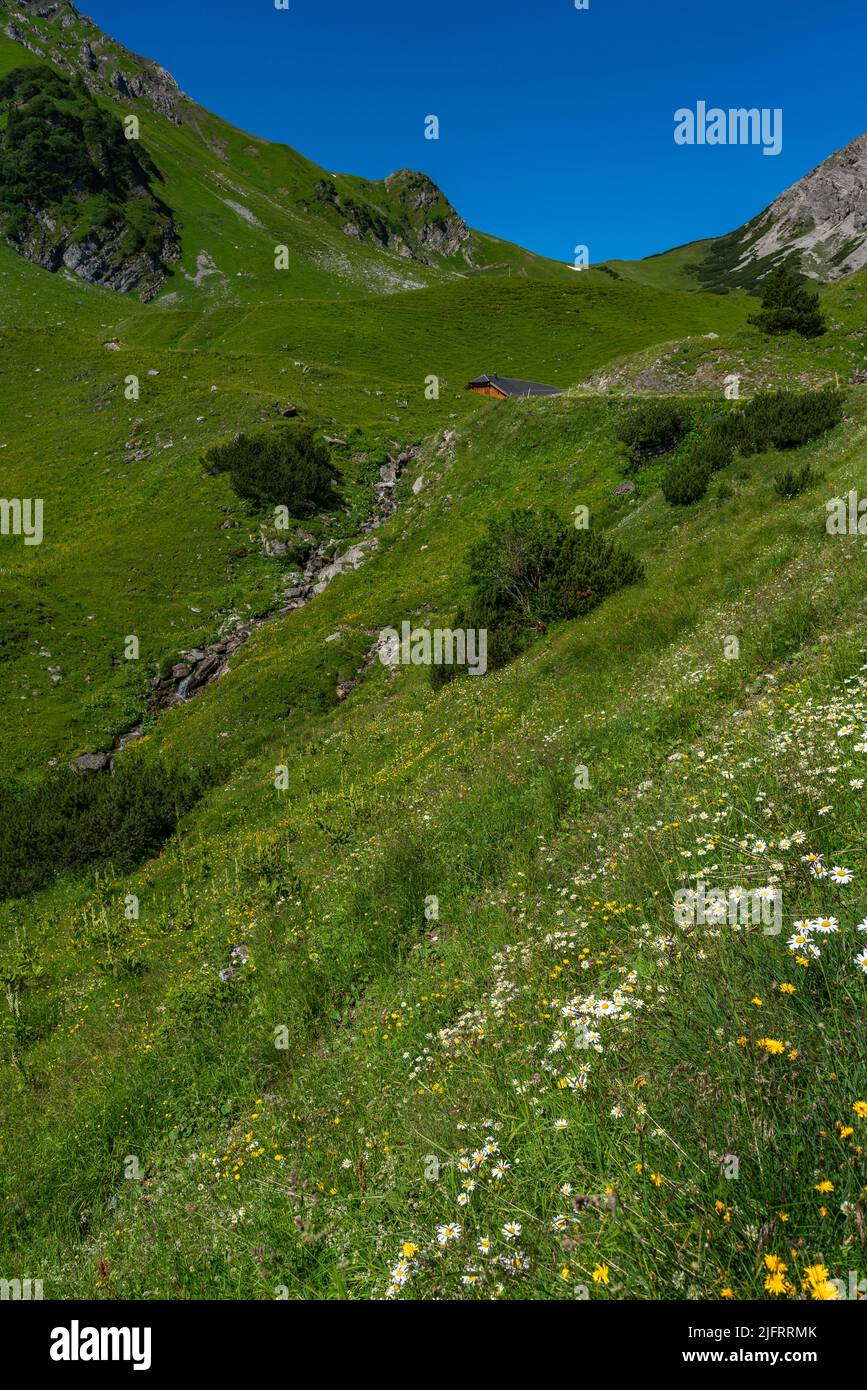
825 1292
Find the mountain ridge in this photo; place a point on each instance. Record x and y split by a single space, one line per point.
819 222
405 226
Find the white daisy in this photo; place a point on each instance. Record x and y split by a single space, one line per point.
841 875
825 925
450 1231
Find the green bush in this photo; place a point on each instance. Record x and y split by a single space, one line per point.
686 479
713 447
67 821
704 453
288 466
533 569
58 148
785 419
793 481
789 306
650 428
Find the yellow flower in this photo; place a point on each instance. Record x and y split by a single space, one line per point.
776 1283
759 1003
771 1045
409 1249
727 1293
824 1186
787 989
600 1274
860 1108
825 1292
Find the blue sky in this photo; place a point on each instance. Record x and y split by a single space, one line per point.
556 125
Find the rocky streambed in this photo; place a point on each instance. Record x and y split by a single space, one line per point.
201 666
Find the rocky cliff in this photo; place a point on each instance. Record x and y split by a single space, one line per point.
821 221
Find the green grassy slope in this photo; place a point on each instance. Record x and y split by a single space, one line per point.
143 529
704 362
399 794
673 270
432 889
158 549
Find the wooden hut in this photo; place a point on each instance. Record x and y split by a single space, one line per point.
504 388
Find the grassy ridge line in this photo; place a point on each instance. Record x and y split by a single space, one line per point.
348 782
209 164
701 364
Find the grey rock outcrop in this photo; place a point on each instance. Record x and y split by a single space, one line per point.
822 218
98 257
91 762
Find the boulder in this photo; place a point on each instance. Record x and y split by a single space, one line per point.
91 762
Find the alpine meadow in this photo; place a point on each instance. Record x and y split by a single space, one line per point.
433 683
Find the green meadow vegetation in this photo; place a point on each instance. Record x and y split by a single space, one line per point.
345 984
